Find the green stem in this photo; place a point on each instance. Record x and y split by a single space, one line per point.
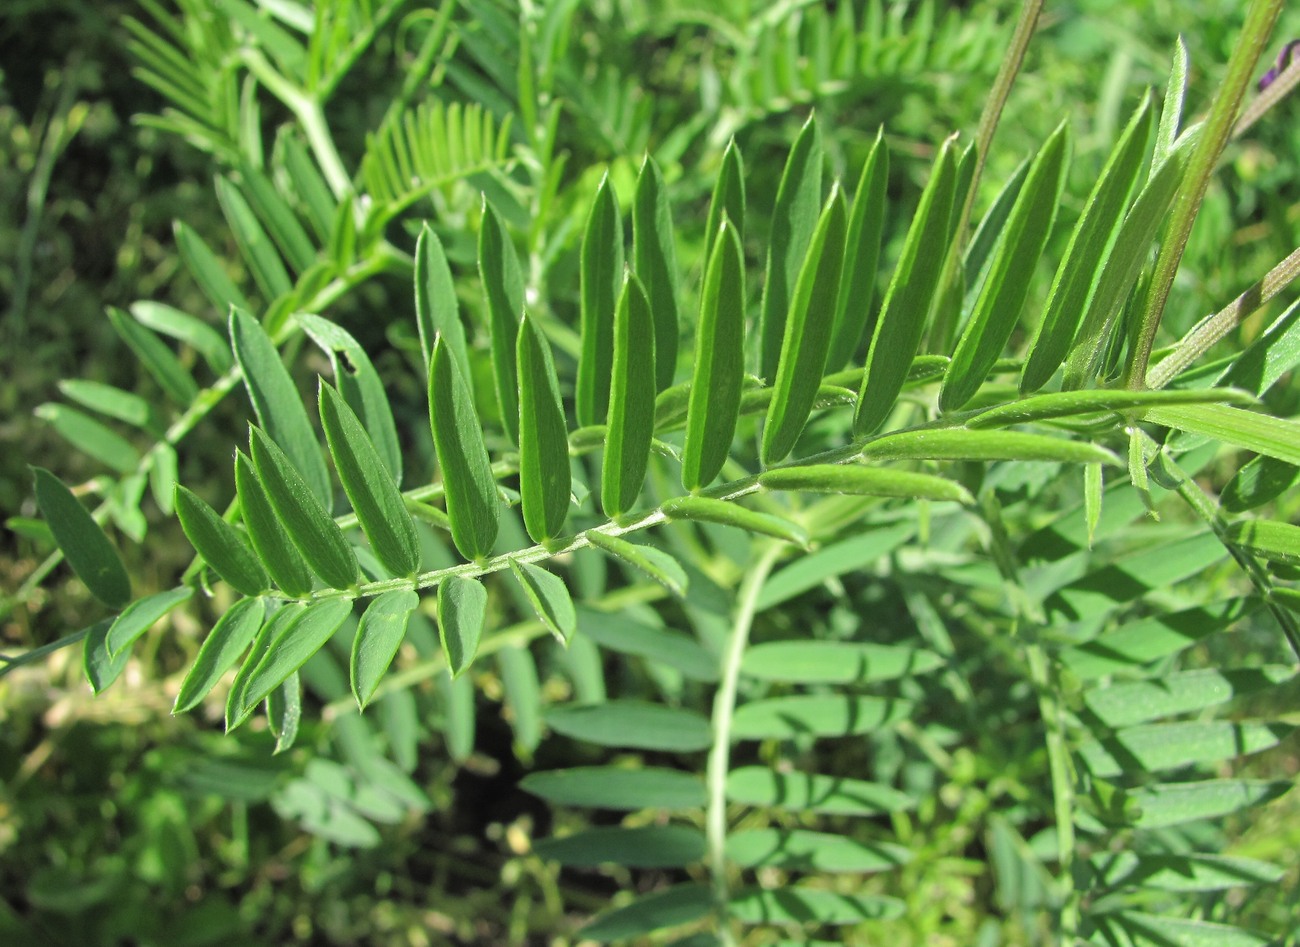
1187 204
1062 775
1199 341
724 706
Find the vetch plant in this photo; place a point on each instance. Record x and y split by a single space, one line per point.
821 564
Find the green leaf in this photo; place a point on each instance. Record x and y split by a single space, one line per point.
1176 932
284 713
834 662
280 411
833 559
1274 541
523 697
655 563
1006 287
634 725
725 513
1249 430
90 437
648 846
503 288
255 246
1269 357
976 257
291 648
208 272
728 199
794 218
801 850
609 787
379 635
860 480
277 553
673 649
600 272
359 384
140 616
101 668
808 327
792 905
281 223
1064 404
959 444
1177 803
861 257
185 328
459 715
1180 872
1171 112
904 312
224 644
307 524
672 907
111 402
1259 481
654 260
719 371
549 597
1164 746
544 476
369 486
631 401
809 792
838 715
471 492
220 544
1125 704
462 614
1129 252
277 621
437 311
88 551
1085 255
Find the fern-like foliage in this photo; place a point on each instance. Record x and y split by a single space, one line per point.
720 457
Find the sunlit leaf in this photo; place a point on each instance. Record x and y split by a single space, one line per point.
379 635
274 549
654 260
233 633
503 288
544 476
631 401
860 480
853 307
462 613
723 513
294 644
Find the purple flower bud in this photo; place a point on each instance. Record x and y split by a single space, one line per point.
1284 59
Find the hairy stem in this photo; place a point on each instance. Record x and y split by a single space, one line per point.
724 705
1218 127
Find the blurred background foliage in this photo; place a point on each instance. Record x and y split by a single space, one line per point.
118 824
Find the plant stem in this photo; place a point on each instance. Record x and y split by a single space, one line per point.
1218 126
724 705
1197 342
1062 775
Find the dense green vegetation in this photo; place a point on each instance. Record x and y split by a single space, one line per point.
690 496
